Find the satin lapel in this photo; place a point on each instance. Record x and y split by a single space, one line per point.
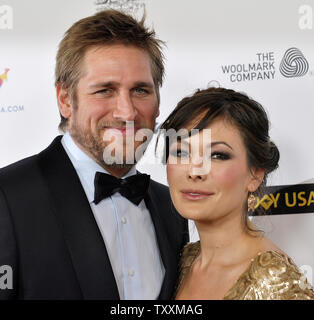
76 220
168 254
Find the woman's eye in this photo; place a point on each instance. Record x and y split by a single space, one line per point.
179 153
220 156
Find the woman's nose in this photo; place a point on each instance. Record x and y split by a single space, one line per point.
198 173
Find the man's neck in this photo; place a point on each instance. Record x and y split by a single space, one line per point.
117 171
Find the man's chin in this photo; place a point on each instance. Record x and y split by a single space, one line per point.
118 165
116 162
121 156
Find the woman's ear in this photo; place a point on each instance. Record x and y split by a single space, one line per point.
64 101
257 176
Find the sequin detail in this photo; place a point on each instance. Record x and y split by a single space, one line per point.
271 275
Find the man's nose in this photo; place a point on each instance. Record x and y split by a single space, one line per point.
125 109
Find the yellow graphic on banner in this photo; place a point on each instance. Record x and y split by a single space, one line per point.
288 199
268 200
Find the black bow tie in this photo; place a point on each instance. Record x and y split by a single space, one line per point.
133 188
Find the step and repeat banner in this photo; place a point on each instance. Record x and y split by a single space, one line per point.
263 48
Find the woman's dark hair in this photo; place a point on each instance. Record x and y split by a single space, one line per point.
204 106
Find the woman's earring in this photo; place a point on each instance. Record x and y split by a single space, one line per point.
251 202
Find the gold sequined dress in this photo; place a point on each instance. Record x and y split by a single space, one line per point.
270 276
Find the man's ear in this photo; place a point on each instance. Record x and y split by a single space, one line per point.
257 176
64 101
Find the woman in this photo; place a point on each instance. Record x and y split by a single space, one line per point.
213 181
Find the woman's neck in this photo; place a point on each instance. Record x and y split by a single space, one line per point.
225 243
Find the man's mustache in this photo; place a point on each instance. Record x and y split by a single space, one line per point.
120 124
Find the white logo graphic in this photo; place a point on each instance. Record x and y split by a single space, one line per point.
6 17
6 277
128 6
308 273
306 18
120 147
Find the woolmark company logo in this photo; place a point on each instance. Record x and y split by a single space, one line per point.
262 69
293 64
128 6
4 76
6 17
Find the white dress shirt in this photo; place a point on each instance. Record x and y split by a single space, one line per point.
127 230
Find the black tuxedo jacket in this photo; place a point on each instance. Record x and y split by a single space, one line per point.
49 236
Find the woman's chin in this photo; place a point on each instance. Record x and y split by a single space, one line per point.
194 214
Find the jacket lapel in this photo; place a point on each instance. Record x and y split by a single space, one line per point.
76 221
168 254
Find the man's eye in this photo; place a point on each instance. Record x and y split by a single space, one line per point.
104 91
220 156
141 91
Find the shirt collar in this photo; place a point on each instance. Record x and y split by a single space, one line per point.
85 166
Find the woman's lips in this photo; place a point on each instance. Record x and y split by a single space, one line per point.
195 194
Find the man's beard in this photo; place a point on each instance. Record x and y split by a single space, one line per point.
95 145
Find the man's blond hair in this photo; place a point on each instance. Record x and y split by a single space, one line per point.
106 27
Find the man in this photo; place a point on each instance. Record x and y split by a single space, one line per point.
70 228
